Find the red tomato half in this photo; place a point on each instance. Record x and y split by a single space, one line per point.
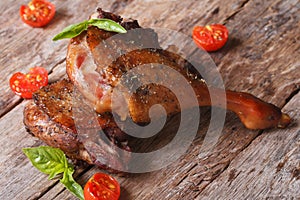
25 84
101 187
210 37
37 13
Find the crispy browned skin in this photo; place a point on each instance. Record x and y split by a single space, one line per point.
253 112
53 134
50 118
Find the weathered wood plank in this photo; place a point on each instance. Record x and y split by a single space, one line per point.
268 169
23 47
185 179
15 168
260 57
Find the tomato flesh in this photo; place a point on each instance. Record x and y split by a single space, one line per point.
26 84
37 13
210 37
101 187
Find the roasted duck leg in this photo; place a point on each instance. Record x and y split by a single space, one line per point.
126 75
50 117
97 64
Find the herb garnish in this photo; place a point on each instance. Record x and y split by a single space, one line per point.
52 161
75 29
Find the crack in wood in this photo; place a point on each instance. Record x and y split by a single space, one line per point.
221 171
237 11
296 172
46 190
59 193
186 176
11 107
76 177
56 65
293 93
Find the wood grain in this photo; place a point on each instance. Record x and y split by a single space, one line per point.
23 47
268 169
261 57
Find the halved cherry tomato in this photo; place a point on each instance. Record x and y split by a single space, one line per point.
210 37
37 13
101 187
25 84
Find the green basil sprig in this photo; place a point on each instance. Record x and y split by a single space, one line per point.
75 29
52 161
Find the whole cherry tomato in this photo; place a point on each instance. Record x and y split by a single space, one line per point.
101 187
210 37
37 13
25 84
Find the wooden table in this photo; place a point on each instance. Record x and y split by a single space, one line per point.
261 57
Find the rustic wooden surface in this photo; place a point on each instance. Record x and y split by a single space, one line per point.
261 57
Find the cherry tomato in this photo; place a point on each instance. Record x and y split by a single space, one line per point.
25 84
37 13
100 187
210 37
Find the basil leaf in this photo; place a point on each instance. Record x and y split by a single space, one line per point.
48 160
75 29
107 25
71 31
53 161
71 184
